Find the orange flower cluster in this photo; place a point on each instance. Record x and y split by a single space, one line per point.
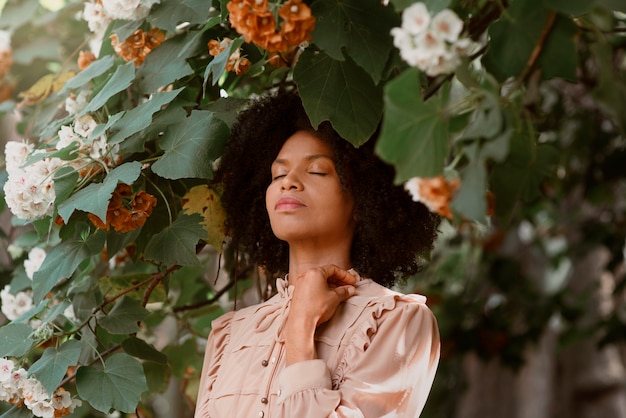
254 20
138 45
435 192
236 63
6 62
84 59
126 213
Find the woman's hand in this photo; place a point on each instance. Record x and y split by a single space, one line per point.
317 294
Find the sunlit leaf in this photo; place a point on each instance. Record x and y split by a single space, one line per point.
360 28
117 386
95 197
46 85
413 137
340 92
124 317
176 244
191 146
52 366
206 201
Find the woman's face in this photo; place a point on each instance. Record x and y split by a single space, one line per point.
305 199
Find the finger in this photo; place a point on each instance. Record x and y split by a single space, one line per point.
338 276
345 292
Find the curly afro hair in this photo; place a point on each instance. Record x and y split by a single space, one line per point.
391 230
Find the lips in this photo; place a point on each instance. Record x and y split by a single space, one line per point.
288 203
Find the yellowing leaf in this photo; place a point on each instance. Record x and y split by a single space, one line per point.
206 202
43 87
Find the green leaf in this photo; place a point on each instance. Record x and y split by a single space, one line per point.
119 81
140 117
611 88
182 356
176 244
341 92
52 366
170 13
361 28
17 13
513 38
486 120
137 347
95 69
570 7
471 199
95 197
413 137
16 412
217 66
15 340
65 179
190 146
124 316
433 6
116 387
163 66
62 260
559 58
157 375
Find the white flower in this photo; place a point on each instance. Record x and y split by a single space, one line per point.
74 104
5 41
69 313
96 18
67 136
14 306
128 9
6 368
61 400
85 125
447 25
34 261
16 154
29 192
415 18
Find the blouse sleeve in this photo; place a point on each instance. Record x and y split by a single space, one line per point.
216 343
387 370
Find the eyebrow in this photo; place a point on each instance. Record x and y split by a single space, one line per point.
282 161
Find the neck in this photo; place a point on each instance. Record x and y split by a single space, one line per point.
305 257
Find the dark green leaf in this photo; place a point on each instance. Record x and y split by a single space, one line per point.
116 387
341 92
559 58
16 412
176 244
570 7
15 340
170 13
124 317
137 347
433 6
414 137
362 29
52 366
157 375
95 197
140 117
182 356
119 81
163 65
65 179
190 146
217 66
95 69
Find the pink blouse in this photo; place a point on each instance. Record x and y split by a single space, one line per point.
377 357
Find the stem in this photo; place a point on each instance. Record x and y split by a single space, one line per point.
155 280
203 303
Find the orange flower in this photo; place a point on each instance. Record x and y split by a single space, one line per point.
6 62
6 90
298 22
138 45
84 59
235 63
435 192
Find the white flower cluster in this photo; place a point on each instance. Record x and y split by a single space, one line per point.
34 261
14 306
17 388
75 103
99 13
29 190
431 43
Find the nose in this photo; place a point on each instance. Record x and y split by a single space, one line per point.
291 181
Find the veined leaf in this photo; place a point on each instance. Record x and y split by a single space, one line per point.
413 137
190 146
95 197
46 85
52 366
206 202
176 244
15 340
119 81
123 318
361 28
340 92
118 385
95 69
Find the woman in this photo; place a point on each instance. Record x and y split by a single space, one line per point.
333 341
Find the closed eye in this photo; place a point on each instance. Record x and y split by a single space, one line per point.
278 177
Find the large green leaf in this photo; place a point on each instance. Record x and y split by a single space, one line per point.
341 92
62 260
140 117
559 58
119 81
361 28
163 65
137 347
118 386
52 366
95 197
414 137
65 179
176 244
191 146
124 316
95 69
170 13
15 340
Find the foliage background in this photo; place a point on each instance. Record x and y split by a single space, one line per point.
537 118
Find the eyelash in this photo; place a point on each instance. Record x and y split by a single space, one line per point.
310 172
